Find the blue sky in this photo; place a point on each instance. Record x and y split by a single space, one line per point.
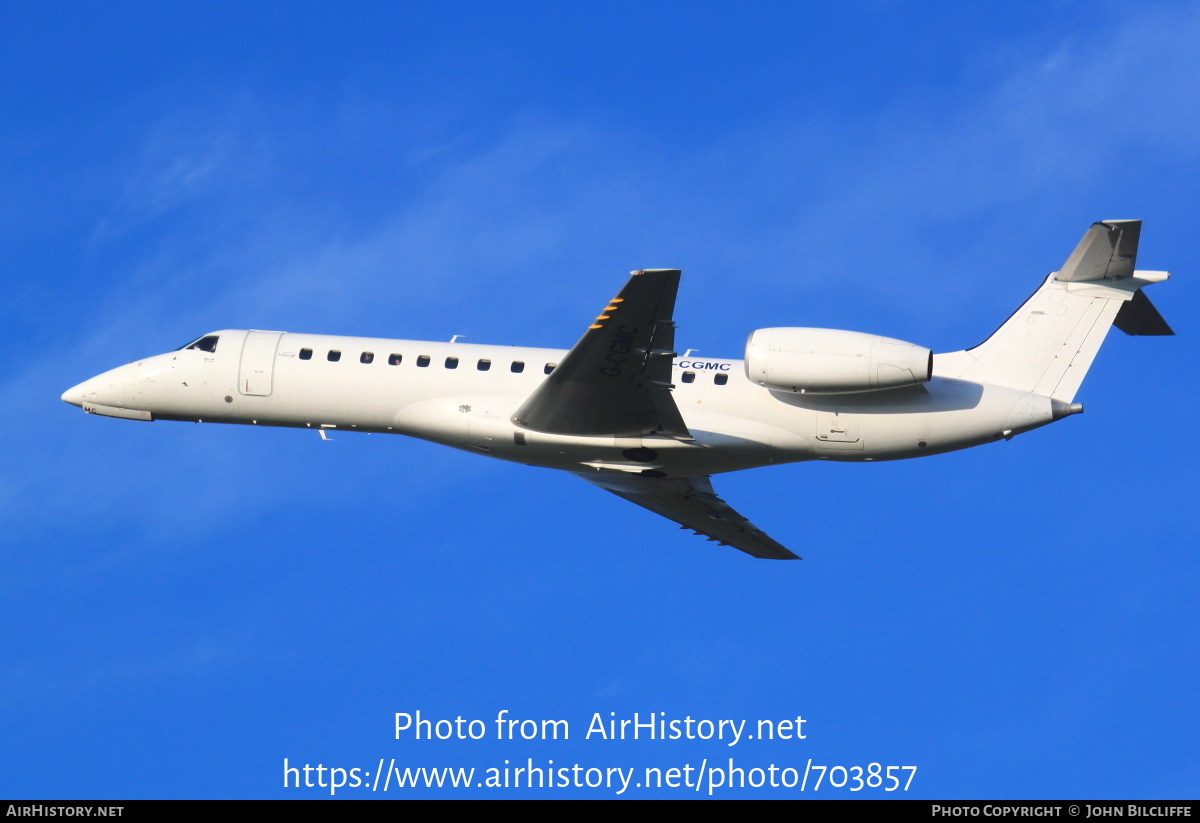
186 606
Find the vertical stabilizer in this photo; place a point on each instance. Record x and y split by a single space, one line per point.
1048 344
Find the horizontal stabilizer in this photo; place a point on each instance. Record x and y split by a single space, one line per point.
1139 317
1108 250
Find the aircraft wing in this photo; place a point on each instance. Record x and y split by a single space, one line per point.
617 379
691 502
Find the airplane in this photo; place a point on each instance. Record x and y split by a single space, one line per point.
623 410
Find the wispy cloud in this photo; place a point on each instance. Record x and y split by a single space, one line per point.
53 678
180 162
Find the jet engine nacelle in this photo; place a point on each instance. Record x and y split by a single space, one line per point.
831 361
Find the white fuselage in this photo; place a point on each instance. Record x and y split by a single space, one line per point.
278 379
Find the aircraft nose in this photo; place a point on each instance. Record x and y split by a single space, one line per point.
74 395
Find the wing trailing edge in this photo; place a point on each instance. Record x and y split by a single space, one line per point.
692 503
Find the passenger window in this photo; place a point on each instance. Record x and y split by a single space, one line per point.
517 367
423 361
550 367
484 365
721 379
689 377
306 354
394 359
452 362
334 355
366 357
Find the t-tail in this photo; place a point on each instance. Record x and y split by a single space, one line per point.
1047 345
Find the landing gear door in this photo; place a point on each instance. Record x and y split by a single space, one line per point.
258 362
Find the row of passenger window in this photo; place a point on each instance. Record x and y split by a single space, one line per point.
719 379
516 367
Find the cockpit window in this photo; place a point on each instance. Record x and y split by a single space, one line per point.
207 343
